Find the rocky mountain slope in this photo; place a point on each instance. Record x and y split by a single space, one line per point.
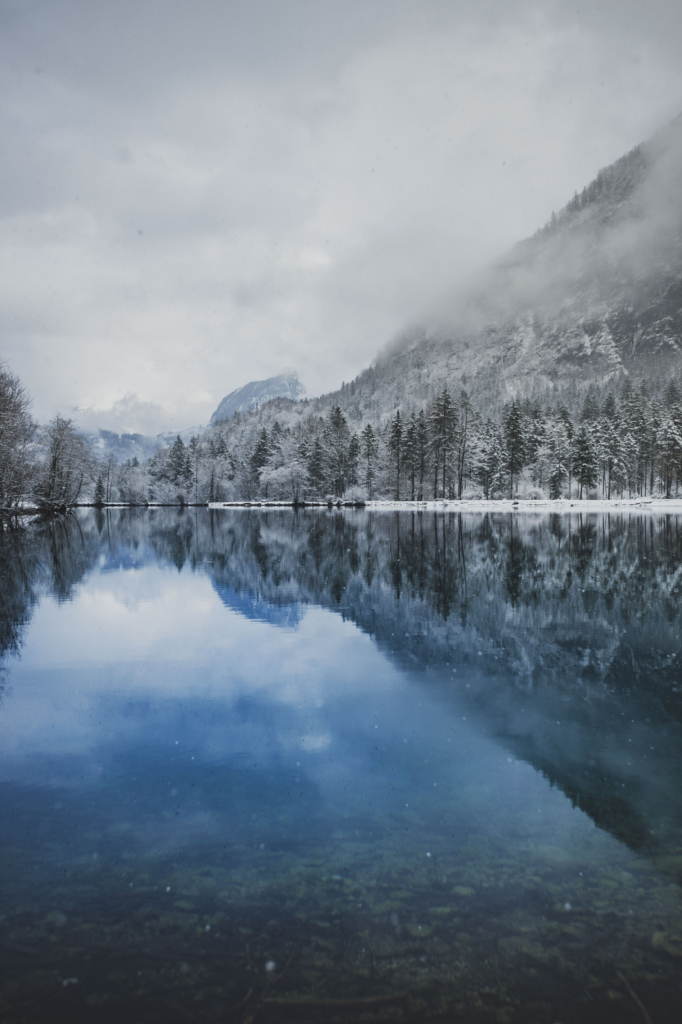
256 393
592 297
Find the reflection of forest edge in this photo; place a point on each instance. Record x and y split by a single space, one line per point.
565 627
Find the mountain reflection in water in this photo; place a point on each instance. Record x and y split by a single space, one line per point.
342 741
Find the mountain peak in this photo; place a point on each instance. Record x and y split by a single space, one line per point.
257 392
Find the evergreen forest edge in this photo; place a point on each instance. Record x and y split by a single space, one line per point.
629 444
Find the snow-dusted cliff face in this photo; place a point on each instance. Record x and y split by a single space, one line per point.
257 393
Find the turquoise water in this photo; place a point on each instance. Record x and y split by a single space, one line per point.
260 766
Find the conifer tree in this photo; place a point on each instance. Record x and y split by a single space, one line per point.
411 453
369 451
194 457
671 395
584 459
462 439
99 491
316 467
590 409
514 444
177 464
609 410
670 446
335 442
487 457
261 451
422 445
353 459
442 429
395 443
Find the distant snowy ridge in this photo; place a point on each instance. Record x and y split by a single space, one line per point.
139 446
257 392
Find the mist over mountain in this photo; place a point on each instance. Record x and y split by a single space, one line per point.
249 397
594 296
257 392
135 445
566 319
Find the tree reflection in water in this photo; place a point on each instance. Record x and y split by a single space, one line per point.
556 636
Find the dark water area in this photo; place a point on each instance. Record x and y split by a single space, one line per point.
262 766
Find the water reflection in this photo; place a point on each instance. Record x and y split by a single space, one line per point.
433 757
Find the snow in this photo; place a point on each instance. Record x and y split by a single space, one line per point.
673 506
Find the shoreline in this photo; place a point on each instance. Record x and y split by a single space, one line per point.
669 506
672 506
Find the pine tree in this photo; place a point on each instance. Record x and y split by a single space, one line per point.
422 445
560 447
670 446
514 444
335 442
487 457
411 453
261 451
462 439
177 464
100 493
395 443
316 467
671 395
353 460
194 457
609 410
369 450
442 436
584 459
590 409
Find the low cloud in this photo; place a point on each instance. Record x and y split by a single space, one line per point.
129 415
288 183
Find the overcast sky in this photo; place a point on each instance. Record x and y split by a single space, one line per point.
195 195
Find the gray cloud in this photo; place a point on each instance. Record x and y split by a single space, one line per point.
192 197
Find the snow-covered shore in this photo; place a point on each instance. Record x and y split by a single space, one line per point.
672 506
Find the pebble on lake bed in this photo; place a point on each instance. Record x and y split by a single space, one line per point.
270 967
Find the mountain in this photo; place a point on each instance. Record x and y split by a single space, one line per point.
593 297
257 393
139 446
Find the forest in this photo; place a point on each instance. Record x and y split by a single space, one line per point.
627 444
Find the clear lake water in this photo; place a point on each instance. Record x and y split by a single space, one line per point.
274 766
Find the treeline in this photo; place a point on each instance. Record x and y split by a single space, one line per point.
628 445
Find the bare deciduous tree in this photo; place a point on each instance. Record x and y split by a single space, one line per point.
17 441
67 464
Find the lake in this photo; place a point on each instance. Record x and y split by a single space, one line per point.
341 766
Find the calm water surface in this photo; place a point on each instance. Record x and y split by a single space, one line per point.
428 766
